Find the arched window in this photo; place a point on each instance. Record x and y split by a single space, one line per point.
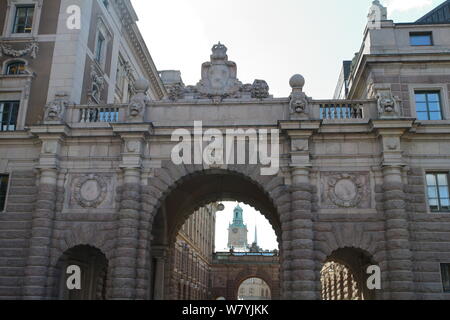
16 67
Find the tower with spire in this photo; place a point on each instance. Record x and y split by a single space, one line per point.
237 231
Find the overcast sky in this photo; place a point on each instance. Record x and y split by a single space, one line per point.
268 39
266 235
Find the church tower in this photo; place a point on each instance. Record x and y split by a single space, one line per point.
237 232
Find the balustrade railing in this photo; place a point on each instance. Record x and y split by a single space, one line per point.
344 109
91 114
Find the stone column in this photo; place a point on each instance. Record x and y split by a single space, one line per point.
38 264
131 264
398 251
161 258
302 244
42 229
397 235
124 274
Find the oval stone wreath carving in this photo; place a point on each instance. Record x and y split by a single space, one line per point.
90 191
345 191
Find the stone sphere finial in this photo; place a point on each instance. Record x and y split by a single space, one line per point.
297 81
141 85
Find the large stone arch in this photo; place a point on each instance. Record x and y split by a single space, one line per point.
175 192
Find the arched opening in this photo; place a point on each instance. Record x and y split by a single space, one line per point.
194 198
93 265
344 277
254 289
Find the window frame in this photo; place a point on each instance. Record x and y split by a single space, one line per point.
427 93
15 22
418 34
10 16
5 202
443 91
16 125
435 173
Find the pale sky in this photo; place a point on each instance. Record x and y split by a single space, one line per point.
268 39
267 239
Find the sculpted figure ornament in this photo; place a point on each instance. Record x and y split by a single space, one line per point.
139 101
98 83
260 89
388 105
55 109
299 102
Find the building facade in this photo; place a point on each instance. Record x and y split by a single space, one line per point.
88 180
192 256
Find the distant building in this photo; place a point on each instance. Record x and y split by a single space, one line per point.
237 232
254 289
440 14
342 86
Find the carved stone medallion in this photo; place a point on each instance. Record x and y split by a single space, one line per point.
90 191
345 190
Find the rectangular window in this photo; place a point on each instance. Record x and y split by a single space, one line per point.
3 190
8 115
438 192
428 105
23 20
421 38
99 48
445 271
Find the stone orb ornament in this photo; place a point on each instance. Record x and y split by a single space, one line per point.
297 81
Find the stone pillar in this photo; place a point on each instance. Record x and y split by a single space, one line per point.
161 257
124 274
42 229
38 265
399 254
302 245
131 266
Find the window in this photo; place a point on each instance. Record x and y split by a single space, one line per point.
15 68
8 115
421 39
438 194
23 20
99 48
445 271
106 3
428 105
3 190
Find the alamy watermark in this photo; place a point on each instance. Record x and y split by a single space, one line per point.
215 147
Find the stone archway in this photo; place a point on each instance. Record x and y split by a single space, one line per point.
344 277
260 274
181 194
93 266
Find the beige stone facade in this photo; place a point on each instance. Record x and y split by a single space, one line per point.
92 181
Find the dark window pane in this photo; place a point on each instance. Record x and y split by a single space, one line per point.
8 115
445 270
3 191
15 68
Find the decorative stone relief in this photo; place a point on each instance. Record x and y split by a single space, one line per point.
299 102
345 190
55 109
91 191
260 89
32 49
139 101
219 81
388 105
98 84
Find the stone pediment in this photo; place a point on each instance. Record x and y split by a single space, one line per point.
218 81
